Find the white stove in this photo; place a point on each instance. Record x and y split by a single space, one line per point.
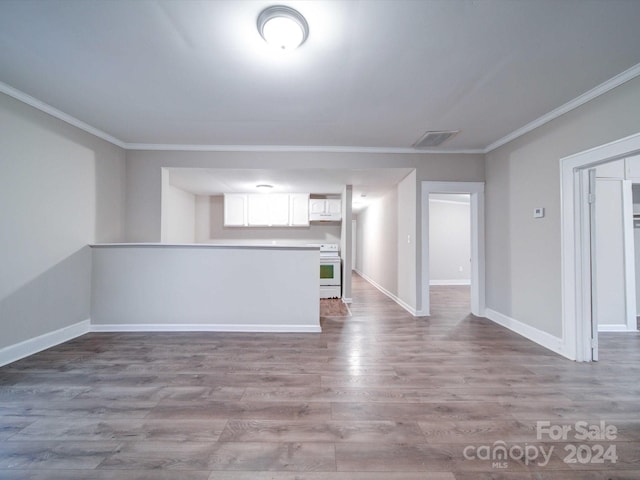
330 279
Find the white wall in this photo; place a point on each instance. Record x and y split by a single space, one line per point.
209 227
523 264
205 287
449 242
378 241
60 189
178 213
406 243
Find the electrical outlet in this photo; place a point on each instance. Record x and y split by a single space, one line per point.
538 212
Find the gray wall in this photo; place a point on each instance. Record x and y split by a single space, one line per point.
144 174
523 268
144 178
60 189
178 213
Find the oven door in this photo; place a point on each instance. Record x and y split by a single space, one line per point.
330 271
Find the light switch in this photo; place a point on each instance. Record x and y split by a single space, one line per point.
538 212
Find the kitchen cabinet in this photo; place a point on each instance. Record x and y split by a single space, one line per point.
325 209
266 210
235 209
299 209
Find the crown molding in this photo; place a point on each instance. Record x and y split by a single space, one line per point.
54 112
290 148
601 89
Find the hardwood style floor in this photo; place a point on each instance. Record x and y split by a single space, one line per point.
377 396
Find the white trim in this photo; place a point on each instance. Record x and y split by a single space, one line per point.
60 115
601 89
206 327
23 349
621 327
402 303
347 300
476 192
575 290
462 281
540 337
293 148
629 255
457 202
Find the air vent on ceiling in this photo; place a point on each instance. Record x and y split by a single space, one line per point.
433 139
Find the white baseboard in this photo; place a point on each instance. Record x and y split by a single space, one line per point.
402 303
346 300
622 327
553 343
20 350
450 282
178 327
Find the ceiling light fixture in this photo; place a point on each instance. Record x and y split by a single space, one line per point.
283 27
263 187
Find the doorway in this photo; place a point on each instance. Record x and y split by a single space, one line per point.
475 191
578 256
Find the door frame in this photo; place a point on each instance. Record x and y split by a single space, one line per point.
476 192
575 254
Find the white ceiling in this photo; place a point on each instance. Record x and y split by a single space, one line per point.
372 74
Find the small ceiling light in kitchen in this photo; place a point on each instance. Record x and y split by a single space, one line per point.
283 27
265 188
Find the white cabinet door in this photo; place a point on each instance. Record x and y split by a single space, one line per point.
278 209
317 206
334 207
299 209
268 210
325 209
258 210
235 210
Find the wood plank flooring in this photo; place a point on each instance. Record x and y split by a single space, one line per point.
379 395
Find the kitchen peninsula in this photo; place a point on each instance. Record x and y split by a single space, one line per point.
205 287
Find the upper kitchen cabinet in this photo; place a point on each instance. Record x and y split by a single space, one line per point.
235 209
325 209
266 210
299 209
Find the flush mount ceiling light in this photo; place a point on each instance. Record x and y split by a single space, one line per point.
283 27
263 187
